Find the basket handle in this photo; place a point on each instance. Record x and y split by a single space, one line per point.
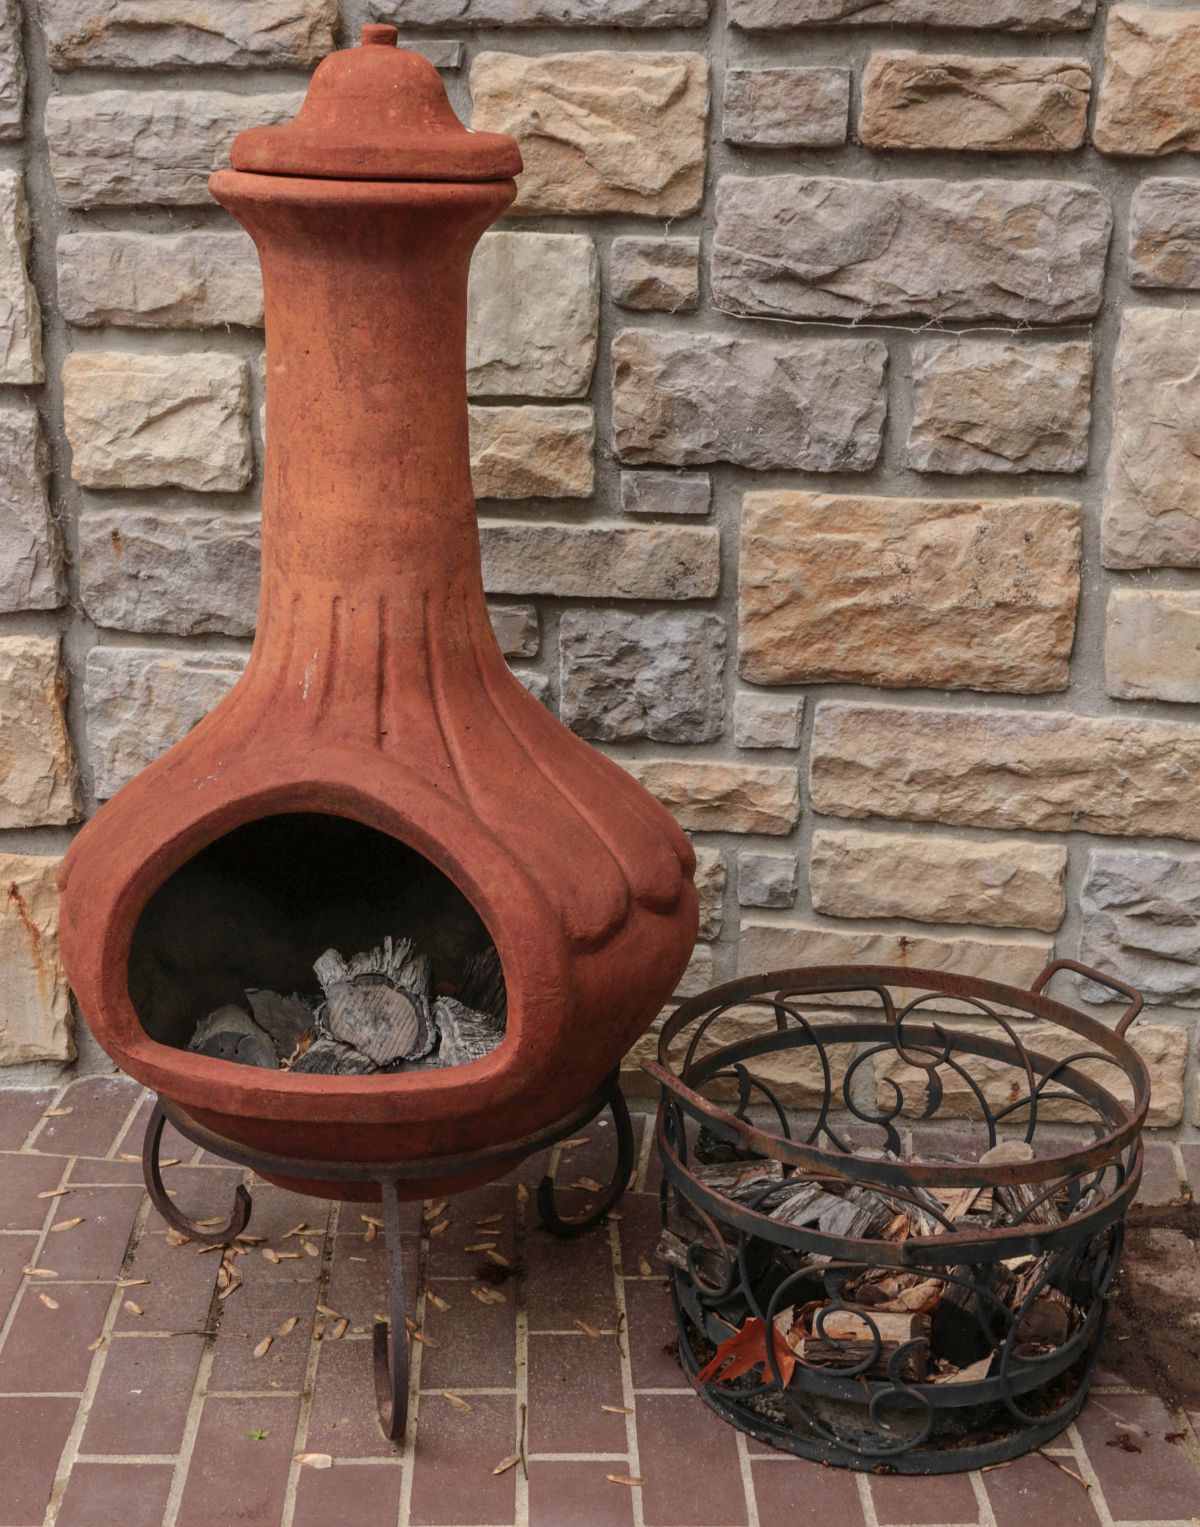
1136 1000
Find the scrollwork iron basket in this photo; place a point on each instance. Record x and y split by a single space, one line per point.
893 1204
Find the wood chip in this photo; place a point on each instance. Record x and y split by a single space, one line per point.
587 1330
500 1261
634 1481
288 1326
134 1309
481 1246
263 1347
60 1113
507 1463
38 1272
644 1267
67 1224
440 1228
51 1304
55 1193
315 1460
588 1185
436 1300
618 1410
457 1401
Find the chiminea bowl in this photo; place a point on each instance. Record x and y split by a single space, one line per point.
377 762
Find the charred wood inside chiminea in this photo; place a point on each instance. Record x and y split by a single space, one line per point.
314 944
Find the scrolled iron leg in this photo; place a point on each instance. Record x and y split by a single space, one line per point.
551 1219
391 1335
152 1174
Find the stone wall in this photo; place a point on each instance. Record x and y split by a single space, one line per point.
835 423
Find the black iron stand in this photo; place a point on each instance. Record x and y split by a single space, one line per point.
391 1345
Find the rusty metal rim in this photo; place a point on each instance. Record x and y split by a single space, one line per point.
846 979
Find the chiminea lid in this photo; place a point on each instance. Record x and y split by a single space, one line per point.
377 112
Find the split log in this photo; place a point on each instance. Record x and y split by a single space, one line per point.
481 985
286 1019
329 1057
847 1337
1015 1199
378 1001
229 1033
464 1033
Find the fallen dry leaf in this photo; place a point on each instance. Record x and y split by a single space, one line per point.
263 1347
618 1410
522 1193
339 1329
371 1219
436 1300
434 1211
569 1145
481 1246
51 1304
370 1233
128 1156
224 1293
440 1228
176 1238
507 1463
644 1267
210 1224
288 1256
315 1460
133 1308
132 1282
38 1272
635 1481
491 1219
325 1309
271 1255
288 1326
587 1330
175 1161
309 1249
588 1185
94 1346
489 1295
55 1193
67 1224
295 1230
246 1239
500 1261
457 1401
60 1113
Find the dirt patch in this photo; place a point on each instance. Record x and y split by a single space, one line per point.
1153 1337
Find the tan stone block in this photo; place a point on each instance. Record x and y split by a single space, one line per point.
1043 770
956 101
1152 651
122 148
932 593
35 1006
533 315
1006 15
769 946
1164 234
542 13
710 888
533 452
140 702
1162 1046
599 131
150 421
39 785
517 629
20 313
31 566
599 561
708 796
153 280
1150 94
173 34
1152 490
1002 884
12 72
654 275
988 406
786 107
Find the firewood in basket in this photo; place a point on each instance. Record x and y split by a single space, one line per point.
231 1034
329 1057
1016 1199
846 1337
378 1001
286 1019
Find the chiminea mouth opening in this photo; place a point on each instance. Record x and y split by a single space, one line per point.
309 943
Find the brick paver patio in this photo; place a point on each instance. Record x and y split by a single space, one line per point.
131 1392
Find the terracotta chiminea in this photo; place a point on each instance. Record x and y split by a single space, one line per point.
378 761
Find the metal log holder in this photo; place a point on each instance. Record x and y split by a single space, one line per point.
391 1339
901 1046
